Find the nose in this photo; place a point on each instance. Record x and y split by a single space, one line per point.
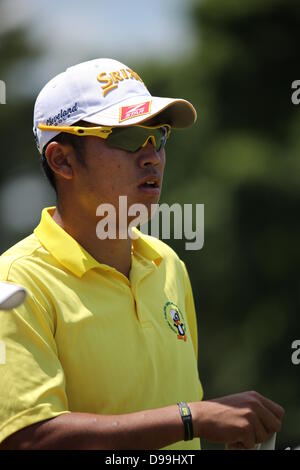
149 156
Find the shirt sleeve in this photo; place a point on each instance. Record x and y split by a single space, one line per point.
32 382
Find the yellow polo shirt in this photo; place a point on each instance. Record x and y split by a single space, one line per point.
87 339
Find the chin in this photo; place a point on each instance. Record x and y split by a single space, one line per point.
149 207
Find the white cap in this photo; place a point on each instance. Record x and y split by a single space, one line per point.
104 92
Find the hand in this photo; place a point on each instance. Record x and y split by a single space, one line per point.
241 420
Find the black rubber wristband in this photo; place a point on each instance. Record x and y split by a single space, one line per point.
187 420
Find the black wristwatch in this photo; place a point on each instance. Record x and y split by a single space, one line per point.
187 420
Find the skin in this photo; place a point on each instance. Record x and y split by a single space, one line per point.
240 420
108 173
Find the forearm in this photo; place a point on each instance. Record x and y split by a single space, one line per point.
151 429
244 419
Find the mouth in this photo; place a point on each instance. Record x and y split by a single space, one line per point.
150 184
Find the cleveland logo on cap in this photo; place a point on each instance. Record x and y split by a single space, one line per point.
112 79
129 112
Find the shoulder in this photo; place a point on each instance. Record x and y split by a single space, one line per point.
21 264
24 264
16 258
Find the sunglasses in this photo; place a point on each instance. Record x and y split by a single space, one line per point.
131 138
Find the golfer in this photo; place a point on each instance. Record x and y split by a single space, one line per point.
103 352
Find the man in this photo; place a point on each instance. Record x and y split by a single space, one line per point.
94 360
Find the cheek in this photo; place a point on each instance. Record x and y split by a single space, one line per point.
116 176
109 172
107 180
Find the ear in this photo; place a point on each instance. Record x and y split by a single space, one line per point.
60 159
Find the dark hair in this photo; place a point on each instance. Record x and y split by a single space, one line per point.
63 138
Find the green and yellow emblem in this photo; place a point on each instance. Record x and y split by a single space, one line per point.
175 320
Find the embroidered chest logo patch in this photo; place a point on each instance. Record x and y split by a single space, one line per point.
175 320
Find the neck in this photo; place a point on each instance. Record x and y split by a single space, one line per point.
115 253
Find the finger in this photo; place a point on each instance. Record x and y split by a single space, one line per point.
268 419
276 409
248 437
261 433
236 446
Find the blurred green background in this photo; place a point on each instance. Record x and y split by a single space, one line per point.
235 61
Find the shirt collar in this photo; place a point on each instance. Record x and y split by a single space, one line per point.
68 252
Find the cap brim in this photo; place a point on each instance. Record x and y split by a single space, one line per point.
178 113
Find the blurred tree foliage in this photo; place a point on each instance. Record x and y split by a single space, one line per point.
18 153
241 160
